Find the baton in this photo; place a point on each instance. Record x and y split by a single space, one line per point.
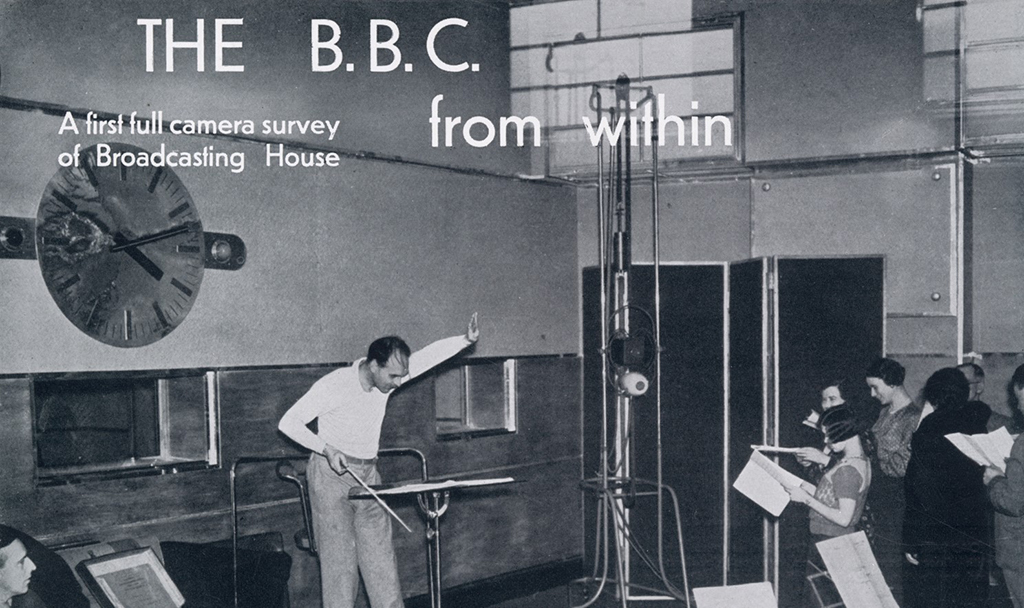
378 499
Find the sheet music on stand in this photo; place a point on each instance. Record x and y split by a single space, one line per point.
855 573
130 579
450 484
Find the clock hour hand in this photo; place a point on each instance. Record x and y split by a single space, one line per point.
150 238
121 243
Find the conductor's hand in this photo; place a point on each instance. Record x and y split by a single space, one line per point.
336 459
809 456
472 331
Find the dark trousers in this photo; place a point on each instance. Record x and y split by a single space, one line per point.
947 577
888 505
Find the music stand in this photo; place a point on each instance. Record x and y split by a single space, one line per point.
432 498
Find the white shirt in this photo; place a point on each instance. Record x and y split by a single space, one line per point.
349 418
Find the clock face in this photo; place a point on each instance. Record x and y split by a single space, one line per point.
120 248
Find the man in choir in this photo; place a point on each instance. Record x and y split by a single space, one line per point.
976 378
893 431
354 536
15 572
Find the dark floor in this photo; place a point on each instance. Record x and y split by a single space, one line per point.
565 597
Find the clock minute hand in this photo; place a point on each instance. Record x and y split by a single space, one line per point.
150 238
121 243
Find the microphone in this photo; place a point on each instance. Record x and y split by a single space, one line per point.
633 384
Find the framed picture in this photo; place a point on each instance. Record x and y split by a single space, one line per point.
130 579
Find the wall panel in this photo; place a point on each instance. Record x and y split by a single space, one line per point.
335 259
850 82
998 254
699 221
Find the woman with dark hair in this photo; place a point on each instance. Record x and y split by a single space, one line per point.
835 392
1006 491
837 501
893 431
944 528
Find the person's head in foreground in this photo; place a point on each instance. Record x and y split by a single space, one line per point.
15 567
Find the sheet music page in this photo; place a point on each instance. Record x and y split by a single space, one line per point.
753 595
136 587
854 570
987 449
136 579
969 448
776 449
758 485
997 446
781 475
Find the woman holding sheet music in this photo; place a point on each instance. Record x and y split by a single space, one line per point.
837 501
837 392
1006 491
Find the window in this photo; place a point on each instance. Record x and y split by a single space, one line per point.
476 398
101 425
560 51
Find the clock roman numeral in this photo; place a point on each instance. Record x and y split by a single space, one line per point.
123 173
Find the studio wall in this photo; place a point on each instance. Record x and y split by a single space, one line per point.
336 255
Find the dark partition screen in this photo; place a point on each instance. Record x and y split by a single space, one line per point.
748 378
692 419
830 324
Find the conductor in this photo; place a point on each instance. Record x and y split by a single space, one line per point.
354 536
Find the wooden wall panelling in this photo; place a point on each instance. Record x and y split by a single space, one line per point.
17 501
534 521
548 390
537 520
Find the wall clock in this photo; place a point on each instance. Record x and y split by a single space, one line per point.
121 249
